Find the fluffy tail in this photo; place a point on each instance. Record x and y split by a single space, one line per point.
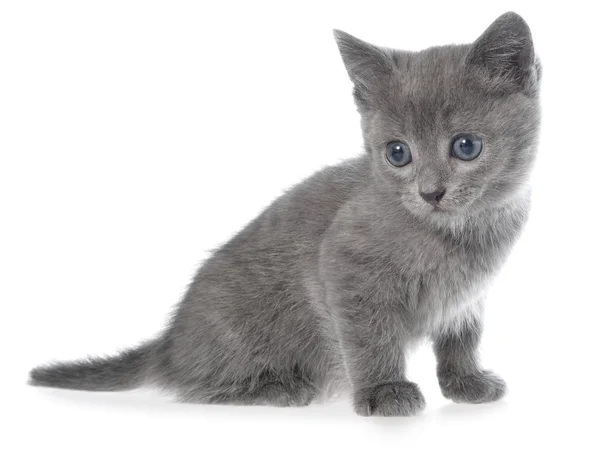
127 370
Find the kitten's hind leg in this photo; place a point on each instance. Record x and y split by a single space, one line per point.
267 389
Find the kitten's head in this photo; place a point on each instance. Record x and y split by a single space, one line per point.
450 130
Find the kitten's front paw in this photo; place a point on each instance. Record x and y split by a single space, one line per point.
392 399
478 387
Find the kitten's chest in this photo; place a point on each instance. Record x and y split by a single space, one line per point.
444 279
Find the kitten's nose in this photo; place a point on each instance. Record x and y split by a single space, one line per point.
433 198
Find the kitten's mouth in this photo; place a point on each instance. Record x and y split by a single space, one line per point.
443 211
438 211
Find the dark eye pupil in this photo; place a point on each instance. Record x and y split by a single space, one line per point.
466 146
398 153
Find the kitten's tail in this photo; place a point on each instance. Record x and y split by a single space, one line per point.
127 370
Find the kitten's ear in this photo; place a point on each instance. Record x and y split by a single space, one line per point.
368 66
505 51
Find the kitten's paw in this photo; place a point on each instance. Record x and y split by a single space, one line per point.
478 387
392 399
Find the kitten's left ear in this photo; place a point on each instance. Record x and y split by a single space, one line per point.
505 52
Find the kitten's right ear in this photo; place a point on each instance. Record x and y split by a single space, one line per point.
368 66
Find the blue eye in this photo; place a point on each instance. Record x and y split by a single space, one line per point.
398 153
467 147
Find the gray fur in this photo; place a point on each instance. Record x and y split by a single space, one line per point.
331 284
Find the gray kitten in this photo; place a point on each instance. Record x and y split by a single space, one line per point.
332 283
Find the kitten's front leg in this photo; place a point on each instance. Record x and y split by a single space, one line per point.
460 377
371 341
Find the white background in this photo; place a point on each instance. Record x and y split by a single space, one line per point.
136 136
